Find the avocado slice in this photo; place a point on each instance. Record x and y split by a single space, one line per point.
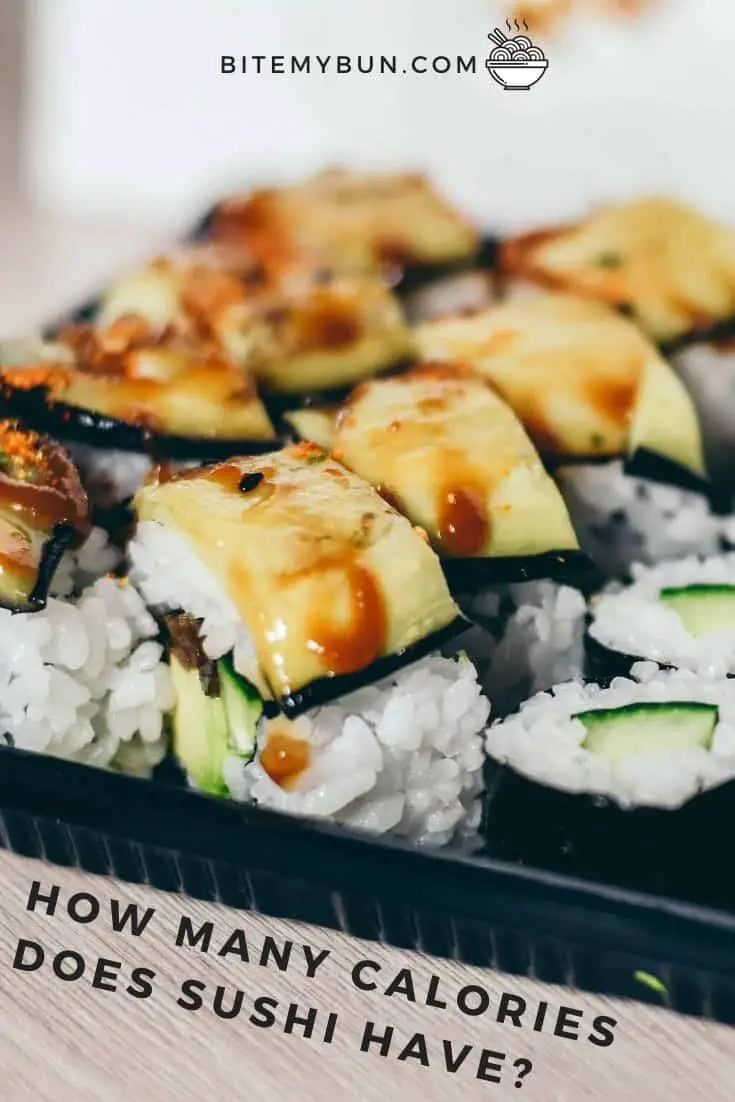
703 609
642 730
209 729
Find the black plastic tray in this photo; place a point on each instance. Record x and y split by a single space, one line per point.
539 910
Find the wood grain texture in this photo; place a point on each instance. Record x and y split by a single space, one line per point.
62 1040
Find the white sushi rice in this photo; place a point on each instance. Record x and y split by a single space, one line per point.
80 567
84 679
541 643
543 742
402 756
109 476
633 620
620 519
708 370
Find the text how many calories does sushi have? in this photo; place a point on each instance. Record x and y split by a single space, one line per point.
415 985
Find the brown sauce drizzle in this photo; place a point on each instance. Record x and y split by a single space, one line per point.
284 758
328 322
613 398
463 522
345 649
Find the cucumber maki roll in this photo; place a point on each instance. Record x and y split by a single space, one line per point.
667 263
132 393
655 739
305 618
395 223
679 614
299 328
607 413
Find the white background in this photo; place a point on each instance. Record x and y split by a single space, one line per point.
129 115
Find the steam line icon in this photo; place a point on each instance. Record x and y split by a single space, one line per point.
515 63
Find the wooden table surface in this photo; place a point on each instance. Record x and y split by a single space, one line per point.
64 1039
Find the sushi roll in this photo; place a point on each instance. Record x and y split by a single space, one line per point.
669 265
607 413
81 676
305 618
44 514
626 785
298 328
397 223
441 446
677 614
130 393
655 739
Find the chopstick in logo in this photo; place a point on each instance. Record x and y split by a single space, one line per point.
515 63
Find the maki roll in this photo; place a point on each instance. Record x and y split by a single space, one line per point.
626 784
80 673
397 223
708 371
305 617
607 413
44 513
298 328
679 614
130 393
656 739
669 265
440 445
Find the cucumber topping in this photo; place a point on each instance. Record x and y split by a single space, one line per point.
642 730
703 609
208 729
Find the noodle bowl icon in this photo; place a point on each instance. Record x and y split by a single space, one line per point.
515 63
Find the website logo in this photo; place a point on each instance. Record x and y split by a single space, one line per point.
514 62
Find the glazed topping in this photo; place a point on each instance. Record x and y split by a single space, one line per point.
443 448
582 379
39 492
148 375
358 219
285 755
298 327
672 266
325 575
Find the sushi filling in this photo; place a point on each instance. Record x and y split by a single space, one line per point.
678 614
403 755
655 739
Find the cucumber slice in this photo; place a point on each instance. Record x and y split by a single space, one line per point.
703 609
243 705
209 729
200 730
642 730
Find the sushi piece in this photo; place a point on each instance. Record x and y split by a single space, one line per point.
447 452
305 616
44 513
393 222
85 679
708 371
132 392
677 614
605 410
655 739
298 328
668 264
